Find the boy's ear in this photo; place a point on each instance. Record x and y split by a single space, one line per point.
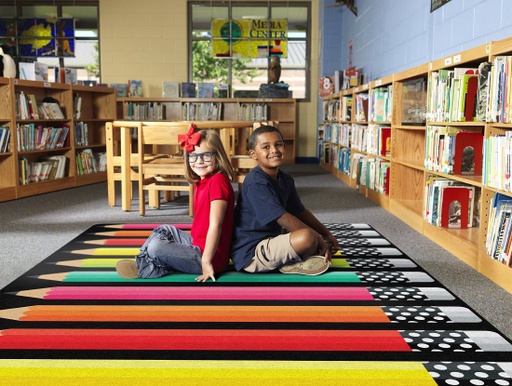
253 155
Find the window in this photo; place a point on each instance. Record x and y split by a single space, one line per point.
245 76
85 14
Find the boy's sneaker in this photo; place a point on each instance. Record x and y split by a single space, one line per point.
127 269
312 266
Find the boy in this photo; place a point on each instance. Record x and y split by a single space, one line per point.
269 203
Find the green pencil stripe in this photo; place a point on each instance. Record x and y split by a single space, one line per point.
226 277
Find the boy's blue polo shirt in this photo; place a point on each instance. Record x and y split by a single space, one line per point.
260 203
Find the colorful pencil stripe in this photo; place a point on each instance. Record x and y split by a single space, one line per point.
128 242
190 313
107 262
225 277
201 339
49 372
198 293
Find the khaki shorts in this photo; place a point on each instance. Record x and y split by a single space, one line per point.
271 254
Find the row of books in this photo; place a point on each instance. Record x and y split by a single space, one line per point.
5 137
341 80
451 150
498 240
494 89
331 110
147 111
47 168
373 138
252 112
210 111
28 108
472 94
381 104
81 134
450 204
31 137
497 163
88 162
372 172
131 89
452 95
361 107
338 133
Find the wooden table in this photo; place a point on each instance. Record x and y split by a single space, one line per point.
122 130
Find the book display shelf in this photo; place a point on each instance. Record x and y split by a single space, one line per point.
215 109
56 136
448 168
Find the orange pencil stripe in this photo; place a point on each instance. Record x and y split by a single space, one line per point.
183 313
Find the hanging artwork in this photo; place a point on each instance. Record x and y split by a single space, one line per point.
39 37
246 38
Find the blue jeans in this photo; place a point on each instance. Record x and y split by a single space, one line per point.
167 250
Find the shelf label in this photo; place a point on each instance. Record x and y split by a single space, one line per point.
448 61
15 81
47 84
456 59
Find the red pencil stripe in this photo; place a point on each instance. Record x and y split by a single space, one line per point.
197 340
202 293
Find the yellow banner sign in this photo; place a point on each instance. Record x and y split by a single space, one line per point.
246 38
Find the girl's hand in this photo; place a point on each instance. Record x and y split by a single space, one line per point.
208 273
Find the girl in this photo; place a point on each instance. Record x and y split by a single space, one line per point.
205 251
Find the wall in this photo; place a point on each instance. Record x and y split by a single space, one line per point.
147 40
390 36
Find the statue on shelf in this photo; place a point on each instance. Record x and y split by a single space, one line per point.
275 69
7 63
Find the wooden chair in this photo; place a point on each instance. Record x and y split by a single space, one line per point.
162 174
120 152
239 149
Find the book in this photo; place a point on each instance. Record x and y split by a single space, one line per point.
205 90
188 90
326 86
134 88
70 75
121 89
170 89
34 71
483 93
223 90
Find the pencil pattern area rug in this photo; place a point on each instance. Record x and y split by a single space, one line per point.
375 318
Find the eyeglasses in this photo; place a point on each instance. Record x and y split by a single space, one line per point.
206 156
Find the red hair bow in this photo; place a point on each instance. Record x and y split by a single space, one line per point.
189 140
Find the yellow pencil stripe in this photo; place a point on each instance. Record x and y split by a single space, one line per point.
85 372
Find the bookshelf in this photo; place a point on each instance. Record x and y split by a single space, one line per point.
30 145
225 109
8 168
421 106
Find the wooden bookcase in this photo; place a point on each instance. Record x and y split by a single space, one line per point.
8 158
98 107
410 170
231 109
